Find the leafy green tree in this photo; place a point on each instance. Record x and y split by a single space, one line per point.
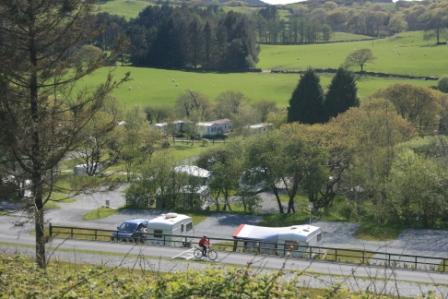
342 93
226 166
359 58
307 101
372 131
416 191
193 106
42 117
419 105
134 140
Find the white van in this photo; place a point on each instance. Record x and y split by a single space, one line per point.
162 227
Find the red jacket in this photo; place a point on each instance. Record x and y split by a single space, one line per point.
204 242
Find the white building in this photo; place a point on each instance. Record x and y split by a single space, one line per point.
81 169
214 128
291 240
259 128
162 127
192 170
162 228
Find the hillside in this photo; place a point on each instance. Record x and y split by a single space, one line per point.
406 53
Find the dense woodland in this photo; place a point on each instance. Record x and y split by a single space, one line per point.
183 37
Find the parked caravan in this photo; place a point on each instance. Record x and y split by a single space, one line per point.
162 227
293 240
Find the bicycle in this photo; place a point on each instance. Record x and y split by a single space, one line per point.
211 254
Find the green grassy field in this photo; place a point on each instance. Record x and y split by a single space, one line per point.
125 8
406 53
157 87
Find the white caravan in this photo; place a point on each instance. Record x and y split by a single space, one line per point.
293 240
162 227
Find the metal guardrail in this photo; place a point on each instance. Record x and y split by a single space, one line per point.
321 253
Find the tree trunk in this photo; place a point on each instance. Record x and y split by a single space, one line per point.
36 160
226 201
279 202
291 207
39 223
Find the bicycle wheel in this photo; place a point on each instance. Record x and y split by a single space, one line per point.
212 255
197 253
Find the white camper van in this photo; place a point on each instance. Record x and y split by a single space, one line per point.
293 240
162 227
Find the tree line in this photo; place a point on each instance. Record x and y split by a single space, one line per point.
313 22
182 37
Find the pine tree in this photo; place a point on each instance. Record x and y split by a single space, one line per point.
342 93
306 104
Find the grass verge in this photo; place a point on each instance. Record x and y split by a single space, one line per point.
345 256
99 213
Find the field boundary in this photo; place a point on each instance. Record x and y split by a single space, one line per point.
323 42
328 254
333 71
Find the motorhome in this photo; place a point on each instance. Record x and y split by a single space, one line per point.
292 240
162 228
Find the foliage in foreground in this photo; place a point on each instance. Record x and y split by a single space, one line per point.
20 278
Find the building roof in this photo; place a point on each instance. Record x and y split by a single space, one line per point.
273 234
180 121
260 125
214 122
187 189
167 220
192 170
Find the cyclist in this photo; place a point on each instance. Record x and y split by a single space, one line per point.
204 243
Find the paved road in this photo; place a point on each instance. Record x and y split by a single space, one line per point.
335 234
317 274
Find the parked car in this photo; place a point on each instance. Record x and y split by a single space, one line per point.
131 231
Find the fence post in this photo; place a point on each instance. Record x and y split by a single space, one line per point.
284 249
335 255
416 262
96 234
71 232
363 257
311 252
388 261
50 230
164 241
259 247
443 264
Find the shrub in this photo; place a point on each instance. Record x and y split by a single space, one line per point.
442 85
137 196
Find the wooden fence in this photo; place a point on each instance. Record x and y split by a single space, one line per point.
330 254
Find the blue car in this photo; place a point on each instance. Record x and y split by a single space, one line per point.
131 231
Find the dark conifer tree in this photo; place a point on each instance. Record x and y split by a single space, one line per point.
342 93
307 102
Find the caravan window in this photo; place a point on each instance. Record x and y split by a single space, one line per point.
319 237
189 226
158 233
